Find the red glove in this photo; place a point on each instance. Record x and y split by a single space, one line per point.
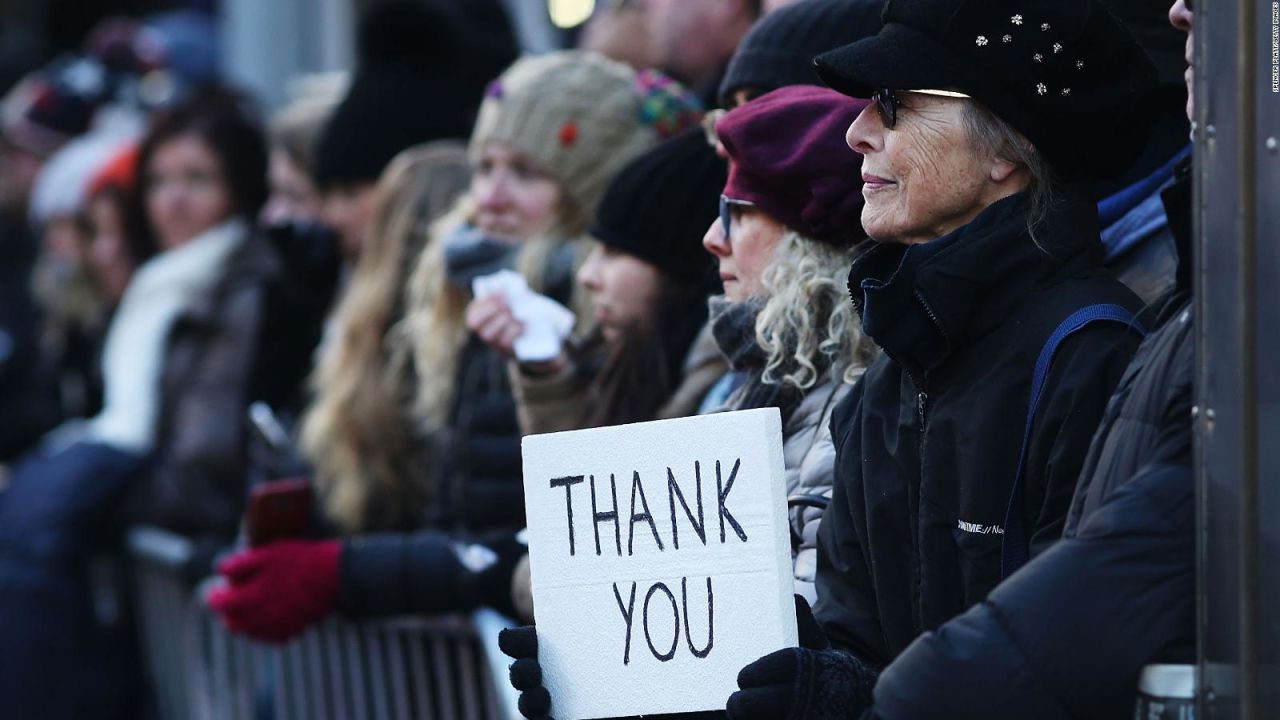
277 591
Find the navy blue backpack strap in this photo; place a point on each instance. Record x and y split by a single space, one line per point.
1015 548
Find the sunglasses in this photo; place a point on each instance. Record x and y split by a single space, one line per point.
888 102
726 215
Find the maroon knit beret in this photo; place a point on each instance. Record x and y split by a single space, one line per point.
788 156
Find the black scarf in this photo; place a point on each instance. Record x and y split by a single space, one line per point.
733 325
469 253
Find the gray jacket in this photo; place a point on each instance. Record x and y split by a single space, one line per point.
809 456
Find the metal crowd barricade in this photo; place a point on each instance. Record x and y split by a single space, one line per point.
388 670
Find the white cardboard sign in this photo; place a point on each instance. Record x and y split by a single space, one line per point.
661 561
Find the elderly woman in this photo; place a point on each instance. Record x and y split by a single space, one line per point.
957 455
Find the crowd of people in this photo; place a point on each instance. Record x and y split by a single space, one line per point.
946 239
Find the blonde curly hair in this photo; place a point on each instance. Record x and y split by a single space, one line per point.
808 329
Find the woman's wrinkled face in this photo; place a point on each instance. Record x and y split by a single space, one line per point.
922 178
186 191
624 289
293 197
515 199
745 252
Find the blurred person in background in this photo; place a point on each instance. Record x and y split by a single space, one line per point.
114 252
358 434
551 133
37 117
179 356
293 134
692 40
301 296
620 31
168 445
75 306
407 89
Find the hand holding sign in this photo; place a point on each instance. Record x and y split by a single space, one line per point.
660 559
764 689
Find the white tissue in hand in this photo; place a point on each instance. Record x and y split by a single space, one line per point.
546 322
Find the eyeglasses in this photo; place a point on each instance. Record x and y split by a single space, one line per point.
726 216
887 102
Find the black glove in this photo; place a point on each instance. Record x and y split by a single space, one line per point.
521 644
526 676
812 682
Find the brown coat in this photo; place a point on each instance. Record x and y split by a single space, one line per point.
195 483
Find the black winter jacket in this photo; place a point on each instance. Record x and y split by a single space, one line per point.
928 443
1067 635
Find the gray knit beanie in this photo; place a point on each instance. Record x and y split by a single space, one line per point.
581 117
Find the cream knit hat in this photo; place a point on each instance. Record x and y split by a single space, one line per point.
581 117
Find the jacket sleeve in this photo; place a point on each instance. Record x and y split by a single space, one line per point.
547 403
846 609
427 572
1085 371
1068 634
813 476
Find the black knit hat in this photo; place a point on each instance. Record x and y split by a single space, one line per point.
779 49
659 206
1064 73
407 90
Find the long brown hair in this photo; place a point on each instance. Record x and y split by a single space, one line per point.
366 454
643 368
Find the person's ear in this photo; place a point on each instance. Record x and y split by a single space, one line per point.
1001 169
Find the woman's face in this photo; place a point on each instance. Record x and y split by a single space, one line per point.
348 209
108 254
293 197
745 252
624 289
186 192
515 199
922 178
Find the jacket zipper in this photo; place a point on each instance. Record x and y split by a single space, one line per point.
922 398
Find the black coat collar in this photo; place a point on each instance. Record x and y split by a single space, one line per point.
920 303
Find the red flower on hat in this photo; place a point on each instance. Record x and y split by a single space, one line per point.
568 133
